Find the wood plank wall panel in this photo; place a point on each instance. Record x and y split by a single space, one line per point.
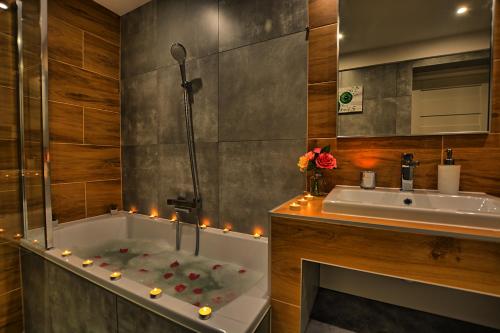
322 100
84 163
7 61
11 312
84 106
8 116
323 54
88 16
9 267
322 12
66 123
478 157
68 201
102 128
72 85
101 195
458 263
285 317
101 56
65 42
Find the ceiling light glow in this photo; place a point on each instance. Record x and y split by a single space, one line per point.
462 10
3 6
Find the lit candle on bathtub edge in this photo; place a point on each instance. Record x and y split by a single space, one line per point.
203 226
308 196
66 253
155 293
226 230
115 276
302 201
257 235
294 206
205 312
87 263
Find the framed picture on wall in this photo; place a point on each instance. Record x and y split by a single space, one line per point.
351 99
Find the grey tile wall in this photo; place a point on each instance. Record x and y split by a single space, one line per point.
248 62
244 22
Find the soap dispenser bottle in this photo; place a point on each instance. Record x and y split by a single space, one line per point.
448 175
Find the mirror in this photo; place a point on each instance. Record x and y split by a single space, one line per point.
413 67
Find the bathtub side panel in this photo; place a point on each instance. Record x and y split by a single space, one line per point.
133 318
64 302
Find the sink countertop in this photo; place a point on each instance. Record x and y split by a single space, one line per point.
313 211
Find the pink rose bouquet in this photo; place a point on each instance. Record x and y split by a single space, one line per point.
316 159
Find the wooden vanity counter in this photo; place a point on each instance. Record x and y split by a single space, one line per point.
459 257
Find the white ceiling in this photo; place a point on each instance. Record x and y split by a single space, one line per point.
121 7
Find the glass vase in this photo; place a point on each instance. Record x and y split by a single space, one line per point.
316 184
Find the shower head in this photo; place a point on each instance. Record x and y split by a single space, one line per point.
178 53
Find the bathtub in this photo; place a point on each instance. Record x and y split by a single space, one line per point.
244 313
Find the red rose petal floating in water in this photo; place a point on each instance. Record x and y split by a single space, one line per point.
193 276
145 255
167 275
198 291
174 264
217 299
123 250
197 304
104 264
98 257
241 271
216 266
180 288
143 270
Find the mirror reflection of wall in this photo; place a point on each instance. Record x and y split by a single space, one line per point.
413 67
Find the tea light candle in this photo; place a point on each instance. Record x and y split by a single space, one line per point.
2 231
87 263
226 230
308 196
203 226
155 293
302 201
205 312
294 206
115 276
66 253
18 236
257 235
35 241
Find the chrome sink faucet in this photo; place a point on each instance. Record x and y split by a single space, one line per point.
408 166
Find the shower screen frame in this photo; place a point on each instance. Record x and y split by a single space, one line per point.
45 136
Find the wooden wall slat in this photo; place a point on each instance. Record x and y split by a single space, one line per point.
100 195
8 113
72 85
102 127
10 278
285 317
11 318
495 103
323 54
7 61
101 57
68 201
66 123
322 12
89 16
65 42
322 100
79 163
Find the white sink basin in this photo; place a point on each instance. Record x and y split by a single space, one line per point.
465 209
